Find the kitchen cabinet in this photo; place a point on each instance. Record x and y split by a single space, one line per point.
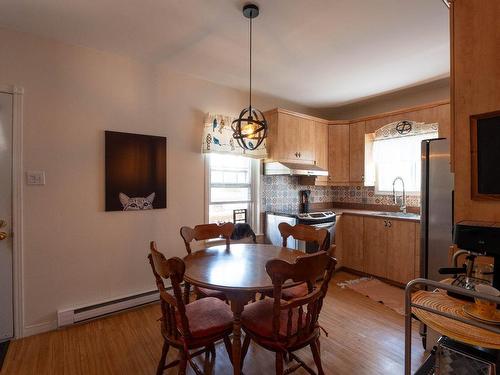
400 251
338 154
321 149
291 137
375 251
382 247
357 152
351 241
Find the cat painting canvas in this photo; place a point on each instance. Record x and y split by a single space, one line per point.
136 203
135 171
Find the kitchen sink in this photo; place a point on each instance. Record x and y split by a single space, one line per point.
408 215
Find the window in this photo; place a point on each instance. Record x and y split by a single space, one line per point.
232 184
393 157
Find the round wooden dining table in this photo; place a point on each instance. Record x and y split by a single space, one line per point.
239 271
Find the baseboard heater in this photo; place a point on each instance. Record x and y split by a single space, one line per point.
80 314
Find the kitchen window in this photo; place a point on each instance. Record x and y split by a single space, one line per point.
232 184
396 157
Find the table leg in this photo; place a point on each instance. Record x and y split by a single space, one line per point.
237 305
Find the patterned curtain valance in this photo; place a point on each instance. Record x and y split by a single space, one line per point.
218 138
404 128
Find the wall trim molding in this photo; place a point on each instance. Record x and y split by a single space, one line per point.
35 329
17 93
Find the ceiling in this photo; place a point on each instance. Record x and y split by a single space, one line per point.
320 53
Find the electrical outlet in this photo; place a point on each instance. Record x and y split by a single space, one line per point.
35 177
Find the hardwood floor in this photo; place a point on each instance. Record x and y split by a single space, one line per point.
365 337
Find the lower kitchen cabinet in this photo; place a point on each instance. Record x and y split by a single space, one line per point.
400 250
382 247
375 252
351 241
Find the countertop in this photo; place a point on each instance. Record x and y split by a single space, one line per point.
381 214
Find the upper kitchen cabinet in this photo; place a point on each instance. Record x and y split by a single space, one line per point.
338 154
321 149
291 137
357 152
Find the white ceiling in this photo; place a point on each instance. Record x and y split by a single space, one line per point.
318 53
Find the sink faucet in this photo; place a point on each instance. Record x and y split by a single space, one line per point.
402 206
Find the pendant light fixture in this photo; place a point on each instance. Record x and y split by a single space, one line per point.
250 128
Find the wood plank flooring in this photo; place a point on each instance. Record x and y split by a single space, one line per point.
365 337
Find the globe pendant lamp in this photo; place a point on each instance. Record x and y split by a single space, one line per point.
250 128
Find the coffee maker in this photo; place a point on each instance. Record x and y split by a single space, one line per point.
304 201
480 238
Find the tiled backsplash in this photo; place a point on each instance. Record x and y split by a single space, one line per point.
281 193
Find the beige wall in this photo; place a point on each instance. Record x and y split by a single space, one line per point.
414 96
74 252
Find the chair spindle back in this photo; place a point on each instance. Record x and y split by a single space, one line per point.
306 233
172 307
302 312
206 232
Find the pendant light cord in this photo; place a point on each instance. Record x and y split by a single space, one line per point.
251 63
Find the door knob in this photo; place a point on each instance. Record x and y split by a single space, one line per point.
3 236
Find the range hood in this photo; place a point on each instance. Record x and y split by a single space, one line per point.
277 168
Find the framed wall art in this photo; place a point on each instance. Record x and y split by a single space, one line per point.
135 171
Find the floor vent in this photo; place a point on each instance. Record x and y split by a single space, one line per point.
80 314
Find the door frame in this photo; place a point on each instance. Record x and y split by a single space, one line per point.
17 93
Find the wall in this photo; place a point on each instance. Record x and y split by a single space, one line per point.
281 194
74 252
410 97
476 82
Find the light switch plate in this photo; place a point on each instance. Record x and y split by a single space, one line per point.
35 177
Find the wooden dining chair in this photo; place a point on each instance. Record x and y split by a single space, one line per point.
305 233
197 325
205 232
286 326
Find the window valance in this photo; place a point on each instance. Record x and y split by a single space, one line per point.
404 128
218 138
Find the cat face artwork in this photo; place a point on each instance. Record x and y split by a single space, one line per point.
136 203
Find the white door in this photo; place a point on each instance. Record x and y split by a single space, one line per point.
6 291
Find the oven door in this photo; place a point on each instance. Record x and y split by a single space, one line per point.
311 247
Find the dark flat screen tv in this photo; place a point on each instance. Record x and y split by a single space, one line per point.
485 151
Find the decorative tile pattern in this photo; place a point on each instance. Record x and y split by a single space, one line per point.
281 193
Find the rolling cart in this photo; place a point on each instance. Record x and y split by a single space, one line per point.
465 341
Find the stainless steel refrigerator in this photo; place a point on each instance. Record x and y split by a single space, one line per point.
436 213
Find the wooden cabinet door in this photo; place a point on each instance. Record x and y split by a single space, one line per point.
352 242
400 250
321 148
286 143
338 153
357 152
306 140
291 138
375 240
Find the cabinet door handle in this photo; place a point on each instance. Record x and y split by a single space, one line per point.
300 155
390 224
385 223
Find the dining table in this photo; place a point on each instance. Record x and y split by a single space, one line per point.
238 270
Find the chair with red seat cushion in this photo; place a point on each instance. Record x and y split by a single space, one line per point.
306 233
286 326
204 232
187 327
